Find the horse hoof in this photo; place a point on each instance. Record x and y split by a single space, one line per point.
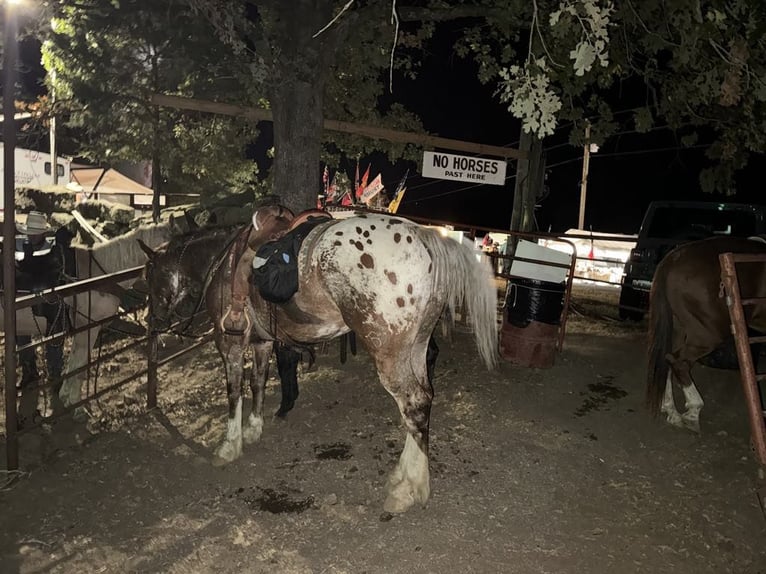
252 432
675 420
218 462
397 503
401 497
226 453
692 425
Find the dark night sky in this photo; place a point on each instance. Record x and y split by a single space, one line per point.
624 177
453 104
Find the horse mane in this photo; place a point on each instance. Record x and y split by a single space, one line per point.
201 234
124 251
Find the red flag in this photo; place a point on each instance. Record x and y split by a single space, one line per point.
356 176
363 183
346 199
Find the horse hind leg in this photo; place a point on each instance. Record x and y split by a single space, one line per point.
681 365
409 483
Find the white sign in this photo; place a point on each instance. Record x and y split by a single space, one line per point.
463 168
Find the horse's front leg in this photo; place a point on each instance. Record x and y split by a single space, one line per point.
71 387
258 375
232 352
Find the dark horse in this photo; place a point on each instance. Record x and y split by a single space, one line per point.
387 279
688 318
195 288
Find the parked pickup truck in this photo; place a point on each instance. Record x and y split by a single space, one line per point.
667 224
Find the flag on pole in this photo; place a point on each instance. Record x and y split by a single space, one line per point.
356 175
362 183
346 199
332 190
325 179
398 194
369 192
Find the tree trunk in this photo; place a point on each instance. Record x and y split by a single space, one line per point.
297 109
300 67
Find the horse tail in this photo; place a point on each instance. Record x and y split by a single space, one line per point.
467 279
660 342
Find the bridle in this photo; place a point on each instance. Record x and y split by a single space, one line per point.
212 270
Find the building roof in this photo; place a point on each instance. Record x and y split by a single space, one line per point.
110 181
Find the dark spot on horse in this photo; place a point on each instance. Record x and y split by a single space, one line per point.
409 288
412 300
335 451
397 237
366 233
430 266
358 229
391 276
409 239
395 221
400 301
337 243
359 265
339 233
351 241
372 227
369 242
359 245
367 261
362 216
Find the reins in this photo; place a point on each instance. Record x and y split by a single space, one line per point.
212 270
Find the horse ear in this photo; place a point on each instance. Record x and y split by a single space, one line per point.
175 229
146 249
190 221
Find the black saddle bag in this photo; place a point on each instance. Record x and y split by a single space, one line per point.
276 264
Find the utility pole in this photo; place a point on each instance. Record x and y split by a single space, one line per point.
528 184
52 133
584 180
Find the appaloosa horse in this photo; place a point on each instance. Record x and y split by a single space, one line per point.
688 319
387 279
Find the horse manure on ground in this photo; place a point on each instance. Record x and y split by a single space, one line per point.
336 451
270 500
601 393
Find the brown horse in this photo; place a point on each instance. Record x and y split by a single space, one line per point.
688 318
387 279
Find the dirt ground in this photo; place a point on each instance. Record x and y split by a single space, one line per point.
533 471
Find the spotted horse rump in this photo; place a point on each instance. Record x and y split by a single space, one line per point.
387 279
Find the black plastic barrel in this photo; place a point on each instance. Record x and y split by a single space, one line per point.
534 300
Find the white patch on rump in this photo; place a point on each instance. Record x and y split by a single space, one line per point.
395 276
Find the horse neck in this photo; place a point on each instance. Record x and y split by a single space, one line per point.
198 255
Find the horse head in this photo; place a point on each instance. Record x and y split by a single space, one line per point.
172 292
269 223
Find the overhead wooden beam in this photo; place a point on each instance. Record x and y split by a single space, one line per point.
259 115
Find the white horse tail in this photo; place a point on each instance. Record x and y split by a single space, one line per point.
465 276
